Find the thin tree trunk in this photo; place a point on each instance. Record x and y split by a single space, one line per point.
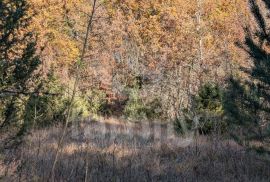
77 74
199 30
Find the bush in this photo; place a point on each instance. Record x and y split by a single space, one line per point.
134 108
96 99
153 109
206 114
81 108
45 108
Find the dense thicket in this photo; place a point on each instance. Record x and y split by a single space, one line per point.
157 60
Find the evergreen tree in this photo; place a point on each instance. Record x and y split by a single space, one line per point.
248 101
206 114
18 59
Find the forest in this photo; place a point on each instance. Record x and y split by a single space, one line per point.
134 90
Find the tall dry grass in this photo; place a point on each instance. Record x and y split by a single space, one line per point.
92 152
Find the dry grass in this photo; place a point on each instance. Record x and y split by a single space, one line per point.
124 153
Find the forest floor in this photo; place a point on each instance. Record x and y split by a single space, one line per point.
111 150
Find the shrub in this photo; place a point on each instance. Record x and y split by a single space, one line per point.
153 109
45 108
134 108
96 99
206 113
209 107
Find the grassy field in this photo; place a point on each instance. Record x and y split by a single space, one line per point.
111 150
